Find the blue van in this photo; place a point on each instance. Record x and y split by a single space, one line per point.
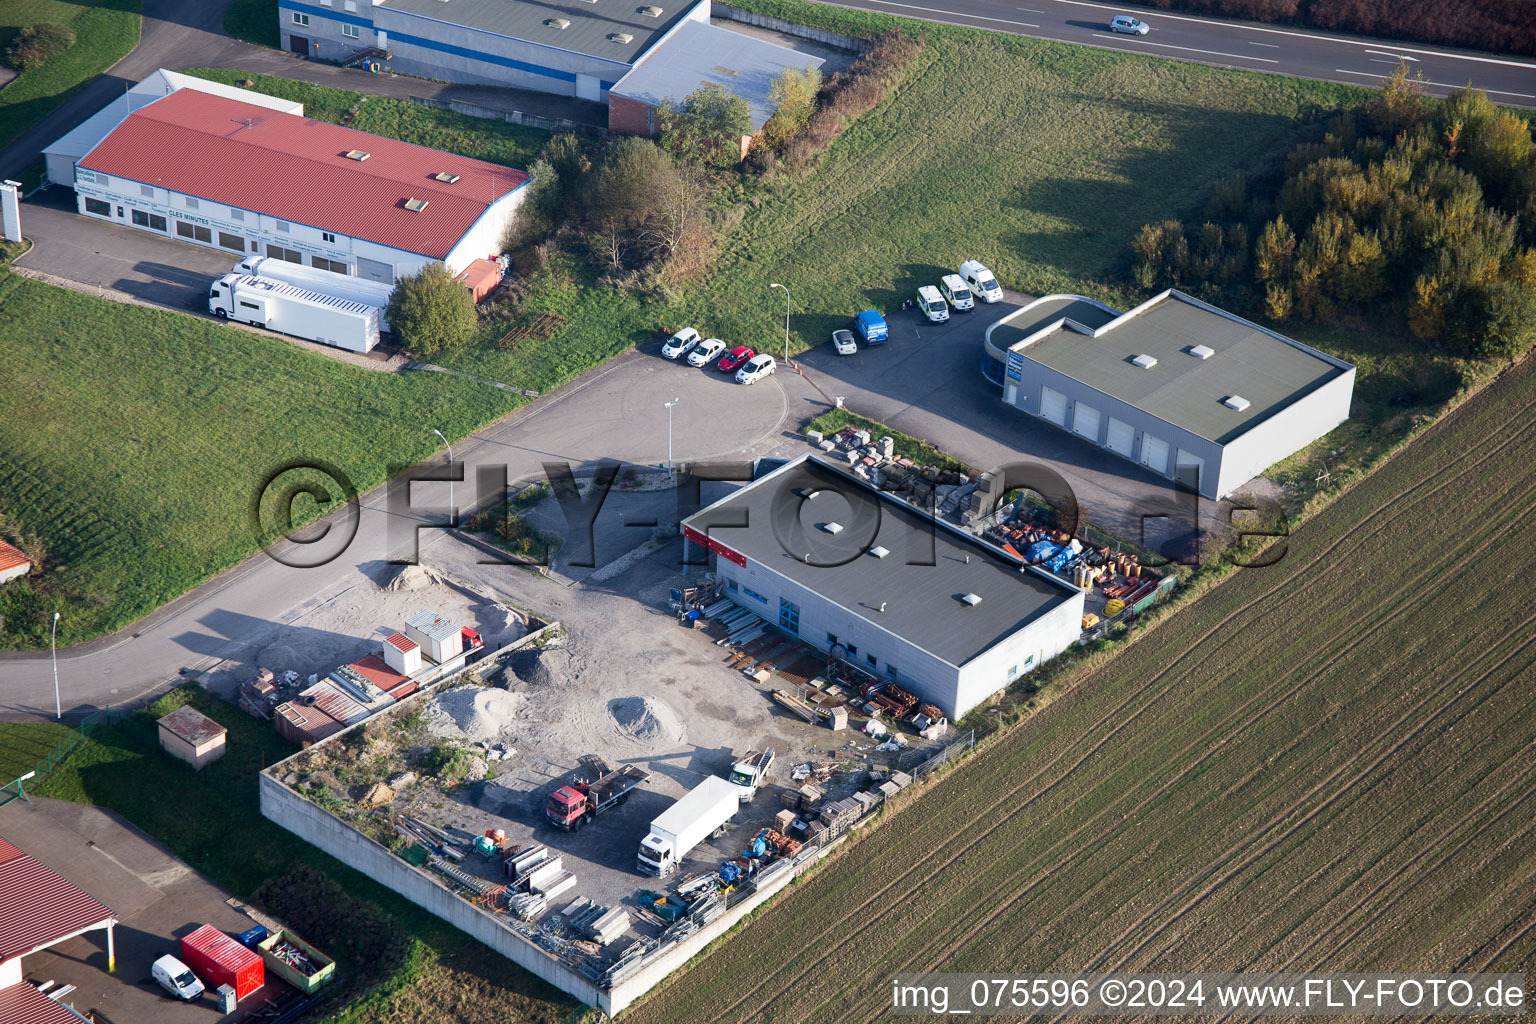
871 327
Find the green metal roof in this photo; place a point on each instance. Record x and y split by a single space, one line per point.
1268 370
589 23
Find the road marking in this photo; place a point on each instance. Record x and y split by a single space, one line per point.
1272 46
1028 10
1442 85
1191 49
952 14
1394 56
1378 60
1309 35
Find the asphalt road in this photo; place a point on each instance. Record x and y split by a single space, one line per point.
1303 53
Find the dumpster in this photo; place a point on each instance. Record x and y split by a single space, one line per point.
297 962
219 959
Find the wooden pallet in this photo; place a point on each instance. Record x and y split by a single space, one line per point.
542 326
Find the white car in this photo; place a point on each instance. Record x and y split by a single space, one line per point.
176 978
1129 25
680 343
705 352
755 369
843 343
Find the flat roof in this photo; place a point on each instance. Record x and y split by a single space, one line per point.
589 23
1267 369
922 601
192 725
699 54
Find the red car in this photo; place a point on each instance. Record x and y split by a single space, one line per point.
733 360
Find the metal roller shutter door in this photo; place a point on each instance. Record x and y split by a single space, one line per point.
1053 406
1154 454
1183 458
1122 437
1085 421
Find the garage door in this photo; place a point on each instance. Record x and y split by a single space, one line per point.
372 270
1154 453
1121 437
1195 462
1053 406
1085 421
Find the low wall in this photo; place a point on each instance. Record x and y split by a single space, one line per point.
789 28
551 124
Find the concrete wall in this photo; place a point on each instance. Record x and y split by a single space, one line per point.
1286 432
789 28
549 124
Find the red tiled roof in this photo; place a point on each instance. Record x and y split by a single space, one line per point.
37 906
374 669
401 641
11 557
295 169
23 1004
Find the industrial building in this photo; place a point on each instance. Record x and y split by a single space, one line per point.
888 588
1189 391
230 174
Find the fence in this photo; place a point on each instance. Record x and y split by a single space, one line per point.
61 750
551 124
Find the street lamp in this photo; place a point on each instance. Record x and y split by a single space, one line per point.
786 319
669 406
58 708
451 508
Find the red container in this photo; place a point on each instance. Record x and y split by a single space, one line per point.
219 959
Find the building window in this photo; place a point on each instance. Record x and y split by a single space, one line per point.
328 3
98 207
300 19
852 650
328 236
334 266
789 616
730 584
191 203
147 191
350 31
235 214
282 226
831 639
890 670
752 593
234 243
149 220
277 252
196 232
351 6
119 211
873 661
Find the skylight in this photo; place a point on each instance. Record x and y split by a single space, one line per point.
1145 361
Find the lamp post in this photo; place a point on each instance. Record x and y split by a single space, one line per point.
451 508
669 406
58 708
786 319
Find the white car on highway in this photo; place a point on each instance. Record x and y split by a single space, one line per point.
756 369
705 352
1129 25
680 343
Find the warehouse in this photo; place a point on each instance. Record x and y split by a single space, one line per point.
40 909
232 175
867 577
1187 390
574 48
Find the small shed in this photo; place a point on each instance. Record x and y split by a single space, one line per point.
189 734
481 278
438 638
14 563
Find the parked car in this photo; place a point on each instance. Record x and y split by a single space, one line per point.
932 304
734 359
843 343
680 343
705 351
955 292
755 369
1129 25
983 285
871 327
176 978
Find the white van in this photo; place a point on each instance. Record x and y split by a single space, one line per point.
176 978
983 285
932 304
956 292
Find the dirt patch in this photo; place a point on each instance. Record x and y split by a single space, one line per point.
475 714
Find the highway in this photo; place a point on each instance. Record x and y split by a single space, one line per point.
1277 49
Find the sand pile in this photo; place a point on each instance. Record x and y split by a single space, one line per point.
646 719
546 667
474 714
413 577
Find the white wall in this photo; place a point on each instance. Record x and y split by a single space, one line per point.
483 240
1287 432
10 972
1001 664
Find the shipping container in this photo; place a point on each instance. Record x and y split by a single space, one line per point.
297 962
219 959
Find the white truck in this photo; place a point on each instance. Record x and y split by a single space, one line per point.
289 309
698 815
983 285
932 304
748 773
342 286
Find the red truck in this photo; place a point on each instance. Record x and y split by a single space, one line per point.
571 807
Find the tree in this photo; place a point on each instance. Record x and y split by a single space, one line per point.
1276 251
1497 321
679 213
625 185
430 311
793 95
36 45
706 127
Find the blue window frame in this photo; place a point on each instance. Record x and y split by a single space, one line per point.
752 593
789 616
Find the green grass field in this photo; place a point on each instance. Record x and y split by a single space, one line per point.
255 21
105 30
1324 765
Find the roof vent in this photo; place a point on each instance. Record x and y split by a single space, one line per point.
356 154
832 528
560 24
620 37
1201 351
971 599
446 176
879 551
1237 402
650 12
415 205
1145 361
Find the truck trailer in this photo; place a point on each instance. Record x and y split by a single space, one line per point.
687 823
571 807
342 286
296 311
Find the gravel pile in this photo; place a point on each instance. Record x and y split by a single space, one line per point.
474 714
546 667
414 577
646 719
